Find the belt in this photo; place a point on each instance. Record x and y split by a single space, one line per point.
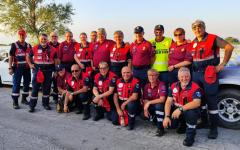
141 67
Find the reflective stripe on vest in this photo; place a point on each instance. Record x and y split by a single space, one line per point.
162 50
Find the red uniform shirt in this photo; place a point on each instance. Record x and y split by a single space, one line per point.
103 83
183 96
142 53
101 52
120 55
66 52
150 93
126 89
56 46
179 53
74 84
62 81
84 54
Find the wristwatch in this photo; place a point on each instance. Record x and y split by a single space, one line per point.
167 116
181 109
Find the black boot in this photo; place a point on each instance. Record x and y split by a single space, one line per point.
204 124
98 114
213 132
188 142
31 110
160 132
45 103
24 100
15 104
182 128
86 114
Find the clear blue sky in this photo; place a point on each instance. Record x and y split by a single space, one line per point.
221 16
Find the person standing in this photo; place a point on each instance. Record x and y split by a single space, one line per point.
161 44
19 68
206 65
142 55
42 59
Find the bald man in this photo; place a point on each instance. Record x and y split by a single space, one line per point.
126 99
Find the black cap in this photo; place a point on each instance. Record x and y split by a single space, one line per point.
59 67
138 29
159 27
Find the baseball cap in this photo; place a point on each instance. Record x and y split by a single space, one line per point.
59 67
210 75
159 27
198 23
138 29
21 32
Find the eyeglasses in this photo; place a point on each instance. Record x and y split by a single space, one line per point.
180 34
152 75
74 71
54 36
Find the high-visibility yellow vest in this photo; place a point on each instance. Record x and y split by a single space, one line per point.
162 50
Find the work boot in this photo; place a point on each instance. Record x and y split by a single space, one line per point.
213 133
188 142
24 100
160 132
47 107
98 114
15 104
86 114
31 110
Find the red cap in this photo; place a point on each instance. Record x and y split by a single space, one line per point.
21 32
40 76
210 74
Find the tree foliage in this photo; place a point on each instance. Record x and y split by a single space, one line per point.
34 16
232 40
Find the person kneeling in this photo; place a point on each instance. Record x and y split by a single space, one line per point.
154 96
77 90
125 98
186 97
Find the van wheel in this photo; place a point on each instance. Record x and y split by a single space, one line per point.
229 108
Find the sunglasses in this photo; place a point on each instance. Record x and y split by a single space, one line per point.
180 34
74 71
54 36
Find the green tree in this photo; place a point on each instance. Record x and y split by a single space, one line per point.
34 16
232 40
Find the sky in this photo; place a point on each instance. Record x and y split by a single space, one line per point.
222 17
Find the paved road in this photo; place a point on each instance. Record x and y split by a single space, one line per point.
47 130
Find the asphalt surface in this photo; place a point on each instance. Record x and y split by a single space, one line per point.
48 130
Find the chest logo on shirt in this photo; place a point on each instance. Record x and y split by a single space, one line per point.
144 48
80 50
39 51
120 85
72 83
65 48
100 83
183 49
114 49
106 45
134 49
175 90
194 45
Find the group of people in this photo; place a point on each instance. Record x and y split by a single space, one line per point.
174 82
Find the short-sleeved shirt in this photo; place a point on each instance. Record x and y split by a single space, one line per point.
152 93
142 53
101 52
66 52
22 47
183 96
179 53
62 81
103 83
76 84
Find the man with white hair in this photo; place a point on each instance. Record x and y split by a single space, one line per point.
185 96
101 50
